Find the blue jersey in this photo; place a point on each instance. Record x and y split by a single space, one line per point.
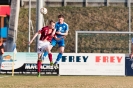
61 28
132 40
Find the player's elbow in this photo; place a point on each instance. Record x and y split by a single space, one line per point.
66 33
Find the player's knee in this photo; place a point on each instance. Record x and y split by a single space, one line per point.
62 52
48 50
61 49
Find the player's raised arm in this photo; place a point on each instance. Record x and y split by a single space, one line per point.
36 34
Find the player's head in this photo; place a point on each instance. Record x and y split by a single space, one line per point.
51 24
61 18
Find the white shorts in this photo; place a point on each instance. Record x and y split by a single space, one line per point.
42 46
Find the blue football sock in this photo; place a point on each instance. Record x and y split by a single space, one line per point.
45 53
58 57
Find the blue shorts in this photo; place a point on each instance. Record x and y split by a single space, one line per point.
61 42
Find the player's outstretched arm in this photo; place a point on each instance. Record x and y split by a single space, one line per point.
33 38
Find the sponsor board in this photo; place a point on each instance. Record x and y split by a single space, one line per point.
92 64
26 62
70 64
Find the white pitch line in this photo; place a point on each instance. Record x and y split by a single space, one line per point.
4 76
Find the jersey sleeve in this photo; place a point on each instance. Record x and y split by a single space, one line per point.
54 36
53 29
56 26
41 30
67 27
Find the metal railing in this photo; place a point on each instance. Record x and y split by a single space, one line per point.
107 2
111 1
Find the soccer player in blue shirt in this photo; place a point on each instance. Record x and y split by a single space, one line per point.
131 55
61 31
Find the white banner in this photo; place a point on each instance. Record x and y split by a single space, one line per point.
21 58
92 64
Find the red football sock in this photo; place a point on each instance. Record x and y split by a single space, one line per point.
38 66
50 57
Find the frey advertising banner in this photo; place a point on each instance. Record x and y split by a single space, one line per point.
26 62
92 64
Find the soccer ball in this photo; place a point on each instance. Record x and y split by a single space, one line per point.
43 11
